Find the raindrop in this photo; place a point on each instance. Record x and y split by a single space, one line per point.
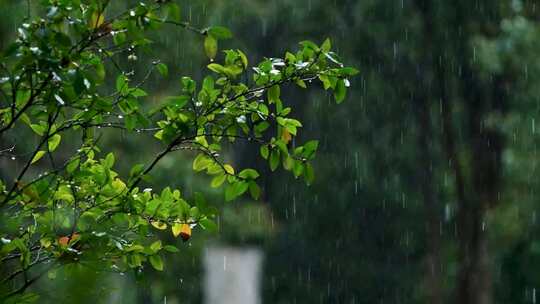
59 99
241 119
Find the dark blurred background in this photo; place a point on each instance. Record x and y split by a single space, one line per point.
426 188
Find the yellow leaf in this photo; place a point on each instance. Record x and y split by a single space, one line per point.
45 242
185 232
286 136
176 229
96 20
65 240
159 225
229 169
38 155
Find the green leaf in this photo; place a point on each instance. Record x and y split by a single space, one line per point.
38 129
156 262
173 10
135 260
325 81
208 225
177 101
108 162
130 122
121 83
243 57
234 190
218 180
156 246
273 94
136 170
162 69
310 45
348 71
54 141
220 32
38 156
134 248
301 83
64 193
274 160
326 46
159 134
230 193
261 127
298 168
340 91
208 83
201 162
22 97
218 68
249 174
24 118
254 190
309 175
73 165
188 84
310 147
118 185
264 151
138 92
171 249
210 46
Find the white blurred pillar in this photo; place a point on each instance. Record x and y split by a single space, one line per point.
232 275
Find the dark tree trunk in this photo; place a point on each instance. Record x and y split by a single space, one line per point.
431 205
478 181
433 277
484 146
